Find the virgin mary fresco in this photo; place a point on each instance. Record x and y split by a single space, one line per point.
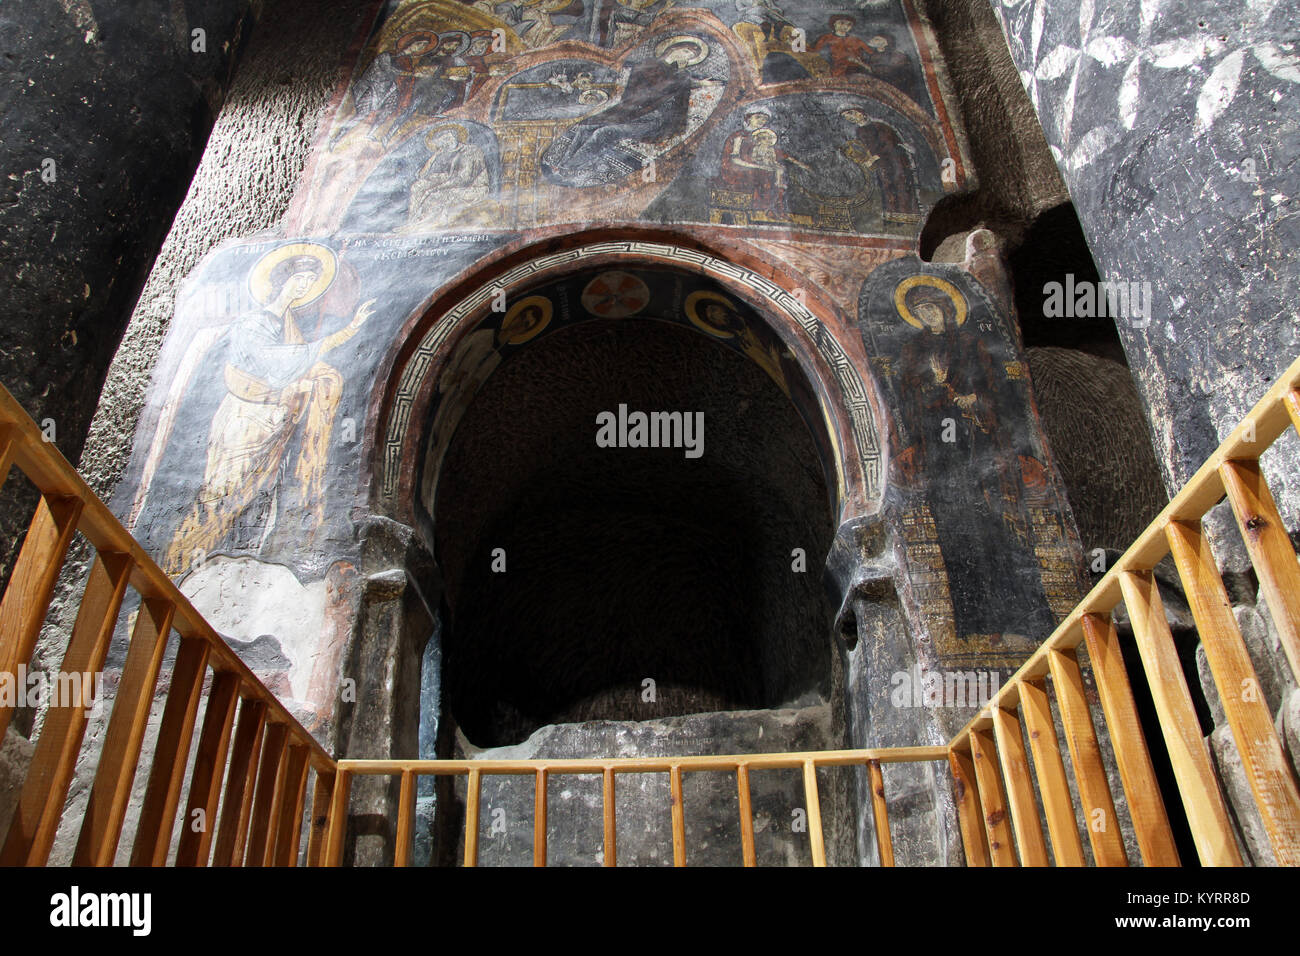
950 402
278 389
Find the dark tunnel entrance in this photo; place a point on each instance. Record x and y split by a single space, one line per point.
623 565
601 593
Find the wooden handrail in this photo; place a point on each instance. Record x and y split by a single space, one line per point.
1233 470
54 478
807 762
68 506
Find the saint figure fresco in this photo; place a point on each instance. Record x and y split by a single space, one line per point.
882 155
847 54
453 180
278 389
972 486
754 169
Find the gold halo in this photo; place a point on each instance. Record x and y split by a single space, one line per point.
462 134
693 312
429 36
943 285
685 39
259 279
513 331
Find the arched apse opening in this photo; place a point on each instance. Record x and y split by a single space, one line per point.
576 570
599 578
849 404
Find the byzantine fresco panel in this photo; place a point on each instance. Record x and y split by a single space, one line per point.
804 140
804 118
993 562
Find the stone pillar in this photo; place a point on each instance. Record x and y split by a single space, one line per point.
379 706
1176 125
864 578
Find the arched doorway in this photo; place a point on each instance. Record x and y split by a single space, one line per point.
630 483
575 572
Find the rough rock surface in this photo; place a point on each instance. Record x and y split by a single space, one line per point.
710 800
1093 419
105 111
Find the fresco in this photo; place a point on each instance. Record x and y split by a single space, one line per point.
794 149
808 118
246 459
992 557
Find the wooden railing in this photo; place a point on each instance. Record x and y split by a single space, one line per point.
994 784
261 799
255 769
988 757
676 767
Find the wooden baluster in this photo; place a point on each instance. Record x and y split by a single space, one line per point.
970 816
880 812
209 765
815 837
1145 805
338 825
746 816
539 817
31 585
1058 806
318 832
1270 551
101 827
611 822
1020 791
472 818
405 820
167 774
1081 736
989 782
237 802
679 815
288 830
1292 402
40 808
1270 775
1207 814
266 802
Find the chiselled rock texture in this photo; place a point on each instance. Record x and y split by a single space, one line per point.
1105 459
1017 179
256 150
1176 127
105 109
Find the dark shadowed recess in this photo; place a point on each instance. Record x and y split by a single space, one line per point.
628 564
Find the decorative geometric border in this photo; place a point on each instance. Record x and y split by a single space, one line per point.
847 377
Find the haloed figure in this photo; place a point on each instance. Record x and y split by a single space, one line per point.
451 182
949 394
277 389
654 107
